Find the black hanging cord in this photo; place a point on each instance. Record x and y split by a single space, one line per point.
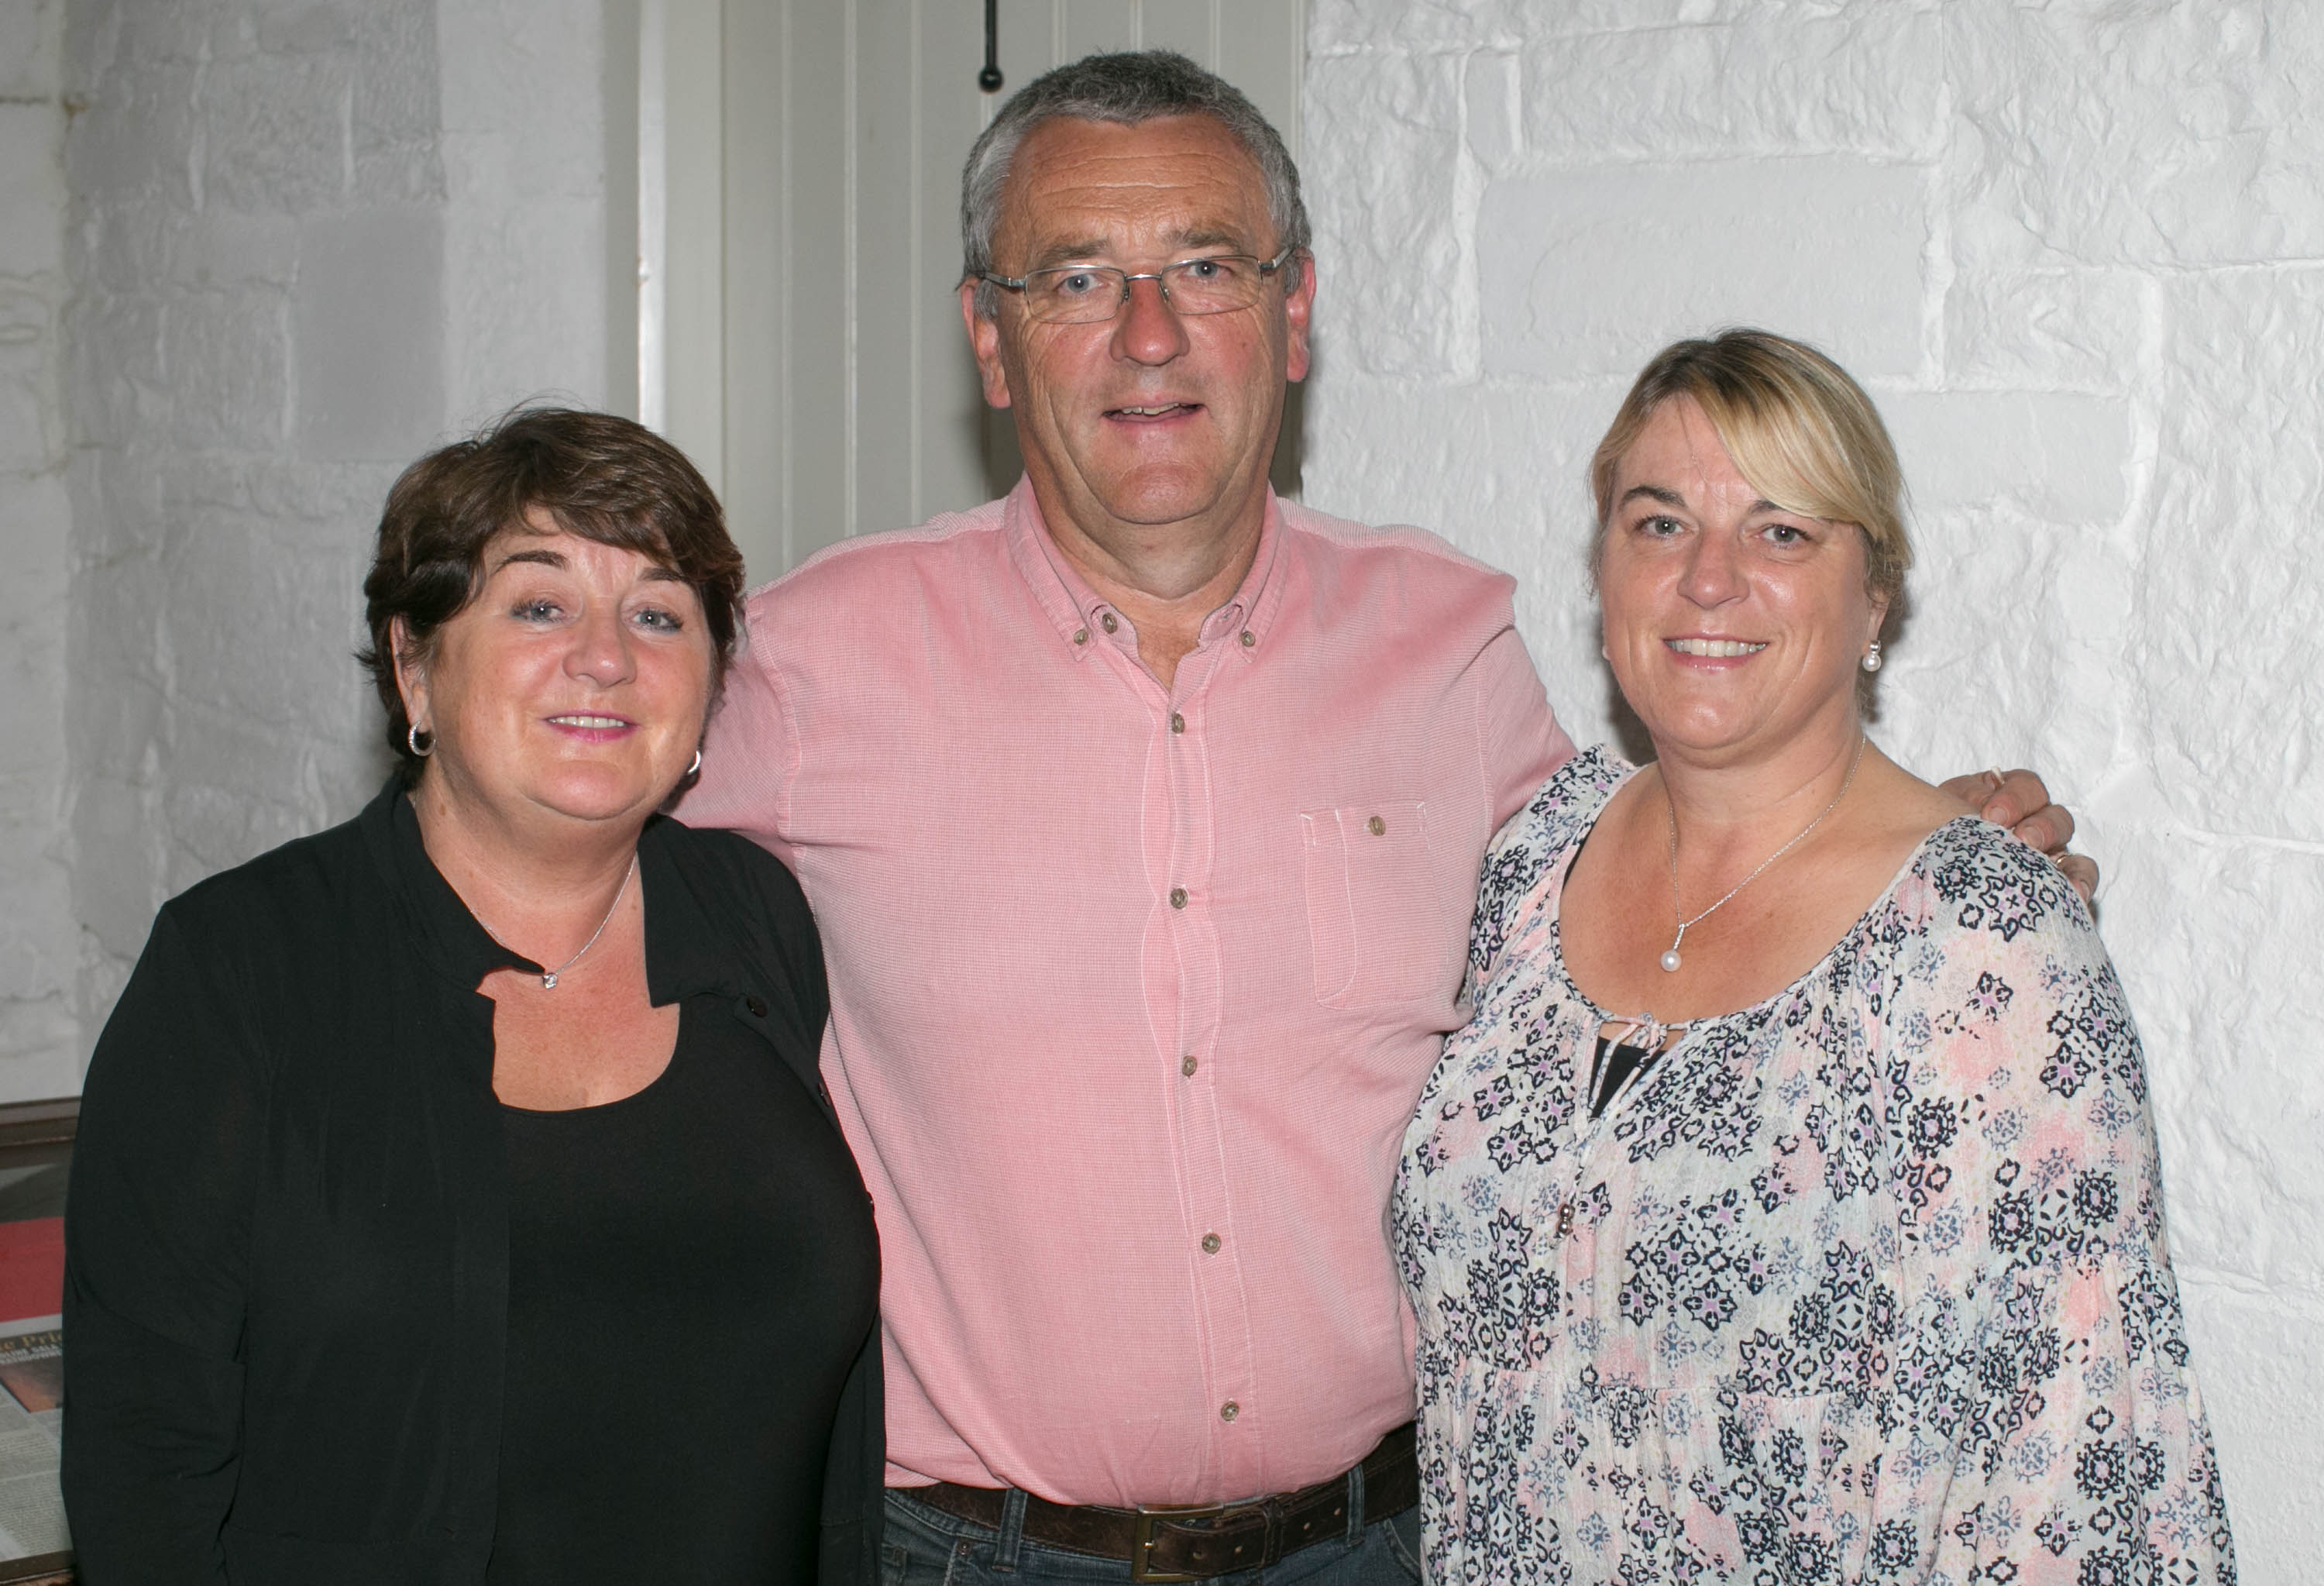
989 80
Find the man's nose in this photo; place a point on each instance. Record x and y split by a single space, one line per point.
1147 329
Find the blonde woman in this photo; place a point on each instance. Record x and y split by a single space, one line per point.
1789 1210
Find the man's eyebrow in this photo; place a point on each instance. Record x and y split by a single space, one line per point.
1074 250
656 573
1090 249
1209 237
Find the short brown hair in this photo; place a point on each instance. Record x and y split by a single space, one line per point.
1798 428
600 476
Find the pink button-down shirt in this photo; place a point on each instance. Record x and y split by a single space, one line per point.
1133 992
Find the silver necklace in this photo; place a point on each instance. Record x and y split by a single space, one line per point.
548 976
1670 959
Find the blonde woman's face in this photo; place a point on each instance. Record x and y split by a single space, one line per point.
1732 625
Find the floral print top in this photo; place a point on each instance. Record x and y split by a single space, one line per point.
1865 1282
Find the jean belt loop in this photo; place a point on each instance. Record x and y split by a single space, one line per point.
1356 1505
1012 1532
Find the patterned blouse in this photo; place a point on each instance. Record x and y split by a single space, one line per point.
1865 1282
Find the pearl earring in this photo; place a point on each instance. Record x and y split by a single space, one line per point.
1871 662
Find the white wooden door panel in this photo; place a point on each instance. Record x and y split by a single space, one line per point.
805 347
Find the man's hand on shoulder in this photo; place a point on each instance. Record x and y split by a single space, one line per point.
2017 800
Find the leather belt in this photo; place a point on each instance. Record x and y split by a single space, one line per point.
1197 1541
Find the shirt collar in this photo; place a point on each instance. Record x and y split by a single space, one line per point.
684 955
1077 612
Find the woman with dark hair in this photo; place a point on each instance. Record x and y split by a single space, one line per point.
1788 1210
455 1198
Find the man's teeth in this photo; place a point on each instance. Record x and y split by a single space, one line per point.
1715 647
589 721
1152 412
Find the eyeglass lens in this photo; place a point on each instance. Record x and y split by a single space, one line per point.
1086 293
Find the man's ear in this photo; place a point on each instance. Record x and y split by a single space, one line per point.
1298 309
984 339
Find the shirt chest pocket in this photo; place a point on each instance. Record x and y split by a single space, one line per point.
1380 930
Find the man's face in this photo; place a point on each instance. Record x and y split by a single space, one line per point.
1154 418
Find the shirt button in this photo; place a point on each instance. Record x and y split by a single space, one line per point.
1177 896
1081 636
1177 723
1211 1244
1249 639
1107 623
1186 1065
1378 827
756 1005
1229 1410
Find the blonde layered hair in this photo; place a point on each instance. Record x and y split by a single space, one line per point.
1800 430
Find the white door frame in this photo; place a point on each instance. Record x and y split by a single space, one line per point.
776 388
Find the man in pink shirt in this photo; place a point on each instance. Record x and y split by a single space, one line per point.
1142 813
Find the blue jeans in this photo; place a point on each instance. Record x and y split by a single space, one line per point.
927 1547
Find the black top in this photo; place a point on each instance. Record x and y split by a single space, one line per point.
287 1273
691 1271
1616 1061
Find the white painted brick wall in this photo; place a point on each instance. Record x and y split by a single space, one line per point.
39 1030
2077 250
308 241
255 335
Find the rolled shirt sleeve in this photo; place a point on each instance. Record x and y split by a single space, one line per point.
1517 734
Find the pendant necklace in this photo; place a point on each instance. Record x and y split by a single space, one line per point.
1670 959
548 976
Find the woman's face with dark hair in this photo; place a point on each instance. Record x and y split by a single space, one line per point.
575 684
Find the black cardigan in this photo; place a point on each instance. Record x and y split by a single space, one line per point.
286 1295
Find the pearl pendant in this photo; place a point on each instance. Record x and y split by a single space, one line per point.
1671 961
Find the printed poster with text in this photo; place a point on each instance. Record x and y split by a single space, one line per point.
32 1371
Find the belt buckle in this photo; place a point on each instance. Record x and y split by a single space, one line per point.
1141 1535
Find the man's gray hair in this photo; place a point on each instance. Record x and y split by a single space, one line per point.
1126 89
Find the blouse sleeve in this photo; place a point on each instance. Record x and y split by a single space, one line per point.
157 1235
1523 851
2042 1422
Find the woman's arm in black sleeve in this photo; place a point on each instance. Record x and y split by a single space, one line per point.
157 1236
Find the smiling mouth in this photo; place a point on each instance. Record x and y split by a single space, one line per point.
1715 648
589 722
1161 410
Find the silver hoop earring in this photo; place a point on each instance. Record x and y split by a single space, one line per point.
422 745
1871 662
695 768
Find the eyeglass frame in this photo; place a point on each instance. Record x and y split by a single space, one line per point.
1017 283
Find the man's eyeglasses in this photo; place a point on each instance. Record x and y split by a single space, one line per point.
1091 294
